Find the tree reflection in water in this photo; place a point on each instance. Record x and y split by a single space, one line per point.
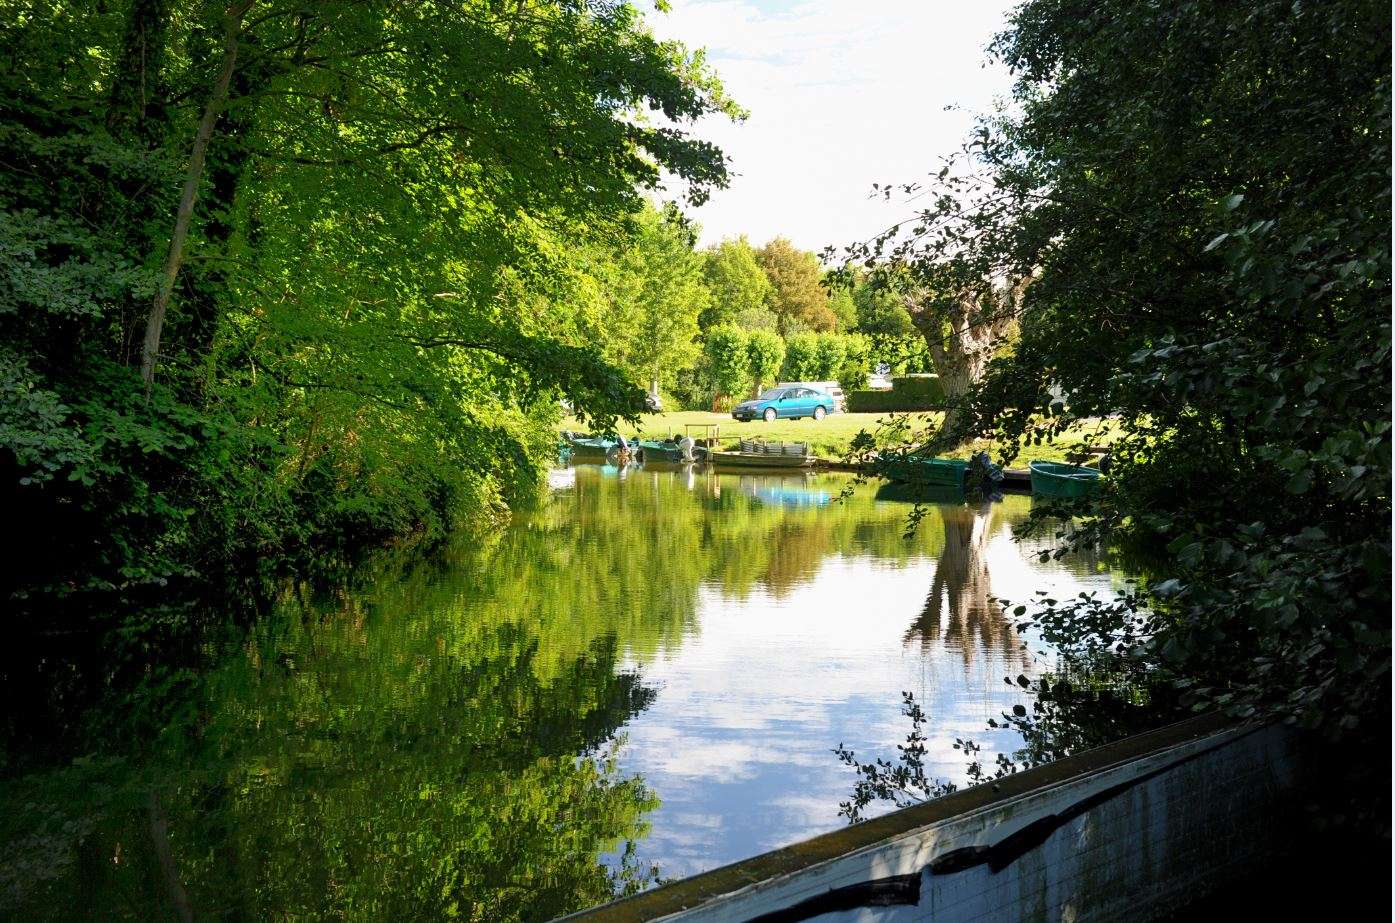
441 738
361 783
960 611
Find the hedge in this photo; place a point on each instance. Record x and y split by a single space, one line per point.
920 387
908 393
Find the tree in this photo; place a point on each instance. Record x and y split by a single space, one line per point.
653 283
962 333
766 351
801 357
844 308
830 351
880 312
1202 194
371 226
852 372
728 360
739 287
797 295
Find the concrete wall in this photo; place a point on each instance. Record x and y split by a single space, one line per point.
1131 831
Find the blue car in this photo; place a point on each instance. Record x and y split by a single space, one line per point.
790 403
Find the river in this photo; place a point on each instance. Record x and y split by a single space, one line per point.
642 679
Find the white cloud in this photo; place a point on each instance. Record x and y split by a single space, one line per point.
842 94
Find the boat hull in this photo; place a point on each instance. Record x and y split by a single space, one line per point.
1053 479
591 448
743 460
926 472
661 453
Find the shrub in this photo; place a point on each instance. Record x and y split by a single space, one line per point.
728 360
765 352
924 388
801 357
909 393
829 352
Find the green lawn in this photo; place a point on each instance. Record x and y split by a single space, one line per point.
829 437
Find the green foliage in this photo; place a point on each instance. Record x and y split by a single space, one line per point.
830 352
801 356
728 356
738 285
797 295
653 286
844 308
825 357
1203 192
879 311
765 351
909 393
389 282
922 388
852 372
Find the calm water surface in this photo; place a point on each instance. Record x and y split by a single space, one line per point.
645 678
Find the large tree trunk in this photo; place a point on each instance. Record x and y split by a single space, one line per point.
962 333
193 174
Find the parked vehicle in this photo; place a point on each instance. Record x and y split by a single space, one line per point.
877 382
831 388
789 402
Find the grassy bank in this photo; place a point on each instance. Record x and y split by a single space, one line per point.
831 436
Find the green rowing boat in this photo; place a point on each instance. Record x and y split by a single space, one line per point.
591 445
1056 479
921 471
657 450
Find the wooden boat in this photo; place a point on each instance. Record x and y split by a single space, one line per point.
754 454
1057 479
923 471
744 460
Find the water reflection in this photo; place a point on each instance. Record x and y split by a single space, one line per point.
650 670
960 611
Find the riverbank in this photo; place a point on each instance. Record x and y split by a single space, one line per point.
832 436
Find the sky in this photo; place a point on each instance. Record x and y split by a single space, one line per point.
842 94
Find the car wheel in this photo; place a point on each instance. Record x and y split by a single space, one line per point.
769 414
819 412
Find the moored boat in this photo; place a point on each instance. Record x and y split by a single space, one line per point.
591 445
923 471
1057 479
754 454
744 460
659 450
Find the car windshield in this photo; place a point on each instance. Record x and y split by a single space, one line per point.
772 394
